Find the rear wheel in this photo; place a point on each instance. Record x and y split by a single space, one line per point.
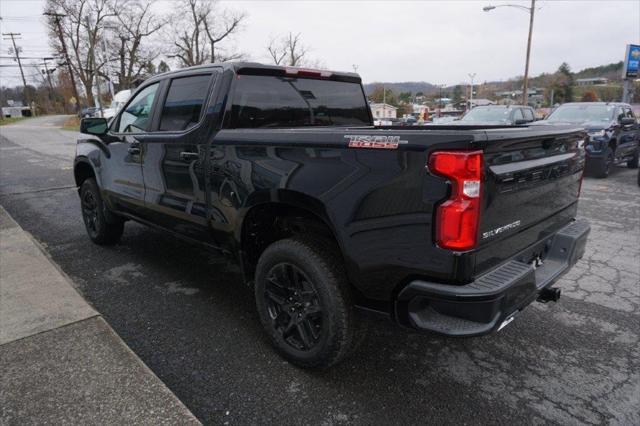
304 303
633 163
102 228
606 162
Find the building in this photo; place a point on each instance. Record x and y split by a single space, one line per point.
514 97
380 110
17 110
591 81
480 102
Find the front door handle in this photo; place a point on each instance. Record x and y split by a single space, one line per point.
134 149
189 156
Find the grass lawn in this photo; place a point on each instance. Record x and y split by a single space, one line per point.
11 120
72 124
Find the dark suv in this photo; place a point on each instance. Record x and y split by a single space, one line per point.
614 135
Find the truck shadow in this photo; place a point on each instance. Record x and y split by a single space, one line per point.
190 318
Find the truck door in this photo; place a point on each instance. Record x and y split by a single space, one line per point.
628 142
174 157
122 179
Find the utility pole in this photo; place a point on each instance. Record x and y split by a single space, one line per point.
472 76
525 92
56 17
46 70
17 52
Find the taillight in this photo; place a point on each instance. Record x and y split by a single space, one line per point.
457 219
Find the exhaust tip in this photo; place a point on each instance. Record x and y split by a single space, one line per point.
551 294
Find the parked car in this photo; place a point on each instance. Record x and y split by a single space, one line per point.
446 231
510 115
118 101
614 134
444 120
87 112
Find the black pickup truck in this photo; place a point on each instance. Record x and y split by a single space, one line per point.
452 230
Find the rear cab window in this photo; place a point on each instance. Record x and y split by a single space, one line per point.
270 101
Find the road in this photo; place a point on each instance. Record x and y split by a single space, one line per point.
187 315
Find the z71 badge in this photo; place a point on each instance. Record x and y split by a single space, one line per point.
374 141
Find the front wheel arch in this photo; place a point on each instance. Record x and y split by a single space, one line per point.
82 171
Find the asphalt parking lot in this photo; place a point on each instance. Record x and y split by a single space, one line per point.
187 315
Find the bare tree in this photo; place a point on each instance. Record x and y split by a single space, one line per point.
288 50
137 23
198 33
82 26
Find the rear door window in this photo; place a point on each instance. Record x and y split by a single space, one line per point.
183 104
528 114
517 115
272 101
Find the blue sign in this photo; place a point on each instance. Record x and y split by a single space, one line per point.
631 61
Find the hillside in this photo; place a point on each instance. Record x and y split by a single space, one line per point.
611 71
407 86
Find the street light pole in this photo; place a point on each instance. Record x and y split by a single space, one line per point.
531 10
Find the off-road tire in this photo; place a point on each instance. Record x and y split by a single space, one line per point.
103 227
323 268
603 168
633 163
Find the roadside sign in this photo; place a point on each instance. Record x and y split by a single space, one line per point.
73 100
631 61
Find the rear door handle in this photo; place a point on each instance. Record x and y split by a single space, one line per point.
189 156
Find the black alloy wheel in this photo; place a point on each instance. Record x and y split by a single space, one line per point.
293 306
103 227
304 302
90 213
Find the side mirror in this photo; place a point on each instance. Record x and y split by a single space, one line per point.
520 121
627 121
94 126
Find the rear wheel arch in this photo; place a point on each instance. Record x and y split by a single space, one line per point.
268 222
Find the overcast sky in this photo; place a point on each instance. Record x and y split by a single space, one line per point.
435 41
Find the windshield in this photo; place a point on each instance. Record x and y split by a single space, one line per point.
582 113
487 114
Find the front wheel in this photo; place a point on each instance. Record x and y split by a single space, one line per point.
101 229
633 163
304 303
603 168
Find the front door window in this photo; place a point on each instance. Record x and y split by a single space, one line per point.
135 116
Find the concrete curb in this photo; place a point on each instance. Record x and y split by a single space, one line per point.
60 361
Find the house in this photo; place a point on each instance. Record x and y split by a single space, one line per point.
480 102
380 110
591 81
514 97
15 109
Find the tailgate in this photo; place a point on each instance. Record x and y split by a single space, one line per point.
532 183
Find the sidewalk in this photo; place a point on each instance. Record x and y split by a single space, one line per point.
60 362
